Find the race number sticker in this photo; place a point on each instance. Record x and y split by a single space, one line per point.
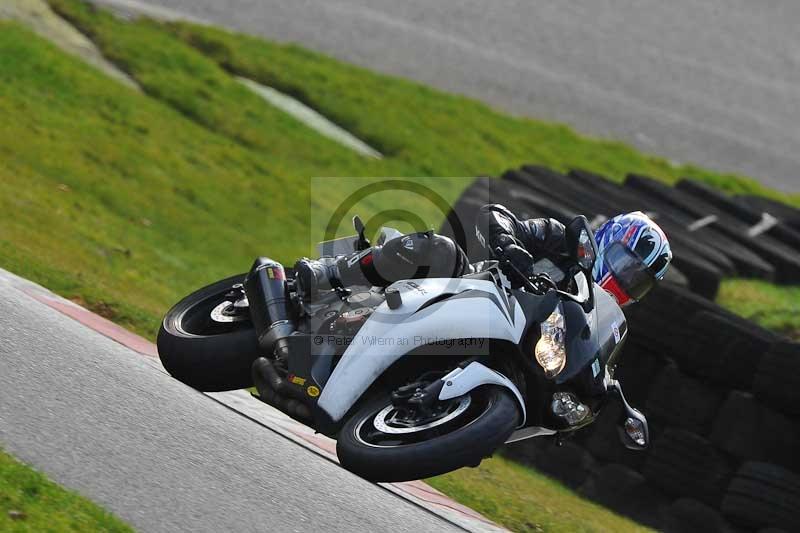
615 330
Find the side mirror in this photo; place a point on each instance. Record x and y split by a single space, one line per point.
633 430
632 427
581 244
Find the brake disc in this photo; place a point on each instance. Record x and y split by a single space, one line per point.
228 312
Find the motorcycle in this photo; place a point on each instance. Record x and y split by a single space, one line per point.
424 376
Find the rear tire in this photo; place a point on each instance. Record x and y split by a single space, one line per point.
465 445
207 357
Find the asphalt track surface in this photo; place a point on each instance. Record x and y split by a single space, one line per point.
712 82
103 420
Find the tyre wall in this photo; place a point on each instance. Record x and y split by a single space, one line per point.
722 394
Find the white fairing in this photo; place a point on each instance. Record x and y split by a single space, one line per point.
479 312
461 381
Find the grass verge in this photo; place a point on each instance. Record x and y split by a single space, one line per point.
524 500
29 502
126 201
772 307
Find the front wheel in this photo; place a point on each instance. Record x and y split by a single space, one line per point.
382 442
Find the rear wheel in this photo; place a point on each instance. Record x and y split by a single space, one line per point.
207 340
383 442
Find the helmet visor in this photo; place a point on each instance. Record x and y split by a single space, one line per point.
630 272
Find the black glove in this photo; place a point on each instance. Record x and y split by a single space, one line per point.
520 258
510 253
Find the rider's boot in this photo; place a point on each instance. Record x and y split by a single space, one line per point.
416 255
327 273
311 277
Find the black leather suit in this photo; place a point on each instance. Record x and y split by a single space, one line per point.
428 255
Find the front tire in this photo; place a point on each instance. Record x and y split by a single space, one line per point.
476 432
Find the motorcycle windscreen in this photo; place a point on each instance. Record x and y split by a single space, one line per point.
337 247
628 269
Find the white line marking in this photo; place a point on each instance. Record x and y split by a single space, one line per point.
702 223
767 223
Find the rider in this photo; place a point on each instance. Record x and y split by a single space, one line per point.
633 253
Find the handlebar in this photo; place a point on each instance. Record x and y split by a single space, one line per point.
541 283
531 283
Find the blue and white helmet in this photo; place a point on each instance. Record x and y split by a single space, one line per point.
633 253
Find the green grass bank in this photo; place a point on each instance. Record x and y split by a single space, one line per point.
29 502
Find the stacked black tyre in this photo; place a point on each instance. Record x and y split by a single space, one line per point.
758 248
763 495
777 382
685 464
786 214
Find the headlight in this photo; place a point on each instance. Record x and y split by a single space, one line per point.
550 351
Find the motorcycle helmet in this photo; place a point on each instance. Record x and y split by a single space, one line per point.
633 253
